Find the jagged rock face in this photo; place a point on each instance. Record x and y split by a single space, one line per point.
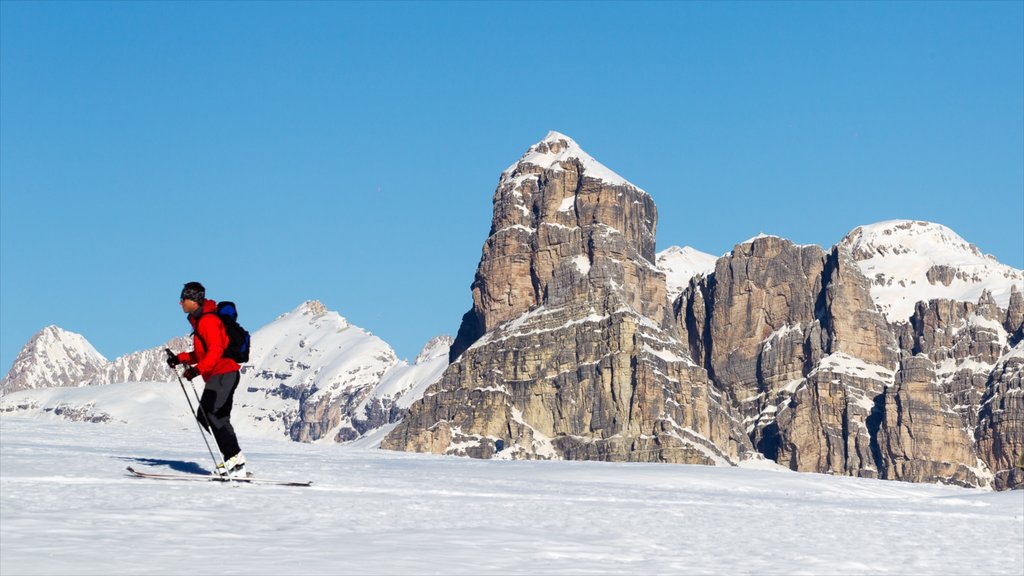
826 383
854 325
821 360
976 372
561 235
570 349
597 387
788 331
1014 322
851 356
918 425
825 425
754 300
1000 429
965 341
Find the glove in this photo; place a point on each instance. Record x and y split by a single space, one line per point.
191 373
172 359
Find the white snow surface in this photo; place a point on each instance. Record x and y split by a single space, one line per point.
68 507
541 155
682 264
896 256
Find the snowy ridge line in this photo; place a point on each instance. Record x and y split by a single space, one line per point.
910 261
542 155
303 364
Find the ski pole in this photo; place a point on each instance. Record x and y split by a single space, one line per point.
193 410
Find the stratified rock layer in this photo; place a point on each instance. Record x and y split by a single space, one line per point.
570 350
864 360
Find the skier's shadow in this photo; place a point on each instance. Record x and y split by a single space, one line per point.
175 465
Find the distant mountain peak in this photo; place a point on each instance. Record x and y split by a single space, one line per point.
908 261
680 264
926 238
437 348
52 356
311 307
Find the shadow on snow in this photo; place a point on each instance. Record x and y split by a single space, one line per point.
175 465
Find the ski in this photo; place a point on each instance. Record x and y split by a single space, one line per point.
212 478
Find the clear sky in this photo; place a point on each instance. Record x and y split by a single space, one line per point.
349 152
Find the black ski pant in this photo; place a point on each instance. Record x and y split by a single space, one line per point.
218 396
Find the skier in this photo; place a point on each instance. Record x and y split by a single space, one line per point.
221 375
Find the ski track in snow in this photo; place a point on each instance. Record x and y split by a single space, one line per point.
68 507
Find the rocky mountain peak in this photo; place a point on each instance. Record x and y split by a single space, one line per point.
565 230
570 349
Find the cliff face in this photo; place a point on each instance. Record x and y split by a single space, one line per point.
571 350
565 230
827 383
896 354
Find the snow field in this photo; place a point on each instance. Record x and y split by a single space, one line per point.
68 508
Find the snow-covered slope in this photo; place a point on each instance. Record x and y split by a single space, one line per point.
910 261
556 148
681 264
147 365
398 389
309 363
380 512
312 358
153 404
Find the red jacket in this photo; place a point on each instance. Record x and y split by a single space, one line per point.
209 340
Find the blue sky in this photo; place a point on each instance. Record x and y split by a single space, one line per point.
348 152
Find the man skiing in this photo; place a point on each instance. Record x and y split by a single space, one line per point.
221 374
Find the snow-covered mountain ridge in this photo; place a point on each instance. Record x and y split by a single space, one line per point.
311 376
681 264
912 261
57 357
907 261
